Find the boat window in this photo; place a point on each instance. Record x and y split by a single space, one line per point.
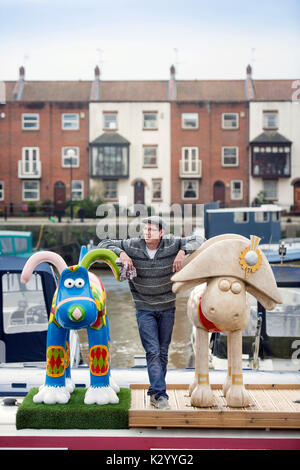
251 327
24 307
6 245
261 217
284 320
241 217
20 244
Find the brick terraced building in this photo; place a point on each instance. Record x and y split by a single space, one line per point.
164 141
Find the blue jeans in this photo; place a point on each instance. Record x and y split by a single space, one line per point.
156 331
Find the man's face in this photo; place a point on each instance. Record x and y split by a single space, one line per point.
152 232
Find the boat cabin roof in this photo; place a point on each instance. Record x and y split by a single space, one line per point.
16 264
263 208
14 233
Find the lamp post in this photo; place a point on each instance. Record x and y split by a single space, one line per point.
71 155
282 251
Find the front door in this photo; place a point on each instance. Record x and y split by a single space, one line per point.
139 192
219 193
59 196
297 197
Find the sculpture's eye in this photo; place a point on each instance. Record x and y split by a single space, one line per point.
224 285
69 283
79 282
236 287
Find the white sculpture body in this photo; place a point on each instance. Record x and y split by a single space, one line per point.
230 266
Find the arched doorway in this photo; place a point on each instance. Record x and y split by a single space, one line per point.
139 192
219 193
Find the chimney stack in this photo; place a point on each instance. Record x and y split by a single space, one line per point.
22 73
97 72
172 84
19 86
95 86
250 92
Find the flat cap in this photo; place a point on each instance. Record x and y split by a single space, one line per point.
156 220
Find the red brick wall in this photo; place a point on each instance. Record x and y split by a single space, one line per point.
5 150
50 138
209 138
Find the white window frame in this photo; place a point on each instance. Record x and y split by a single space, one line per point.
275 183
236 155
2 191
184 117
157 180
232 191
81 190
30 151
194 182
37 183
35 118
150 165
224 121
64 156
190 159
110 127
154 121
106 189
267 113
65 120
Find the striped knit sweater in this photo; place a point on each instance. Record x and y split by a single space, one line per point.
151 289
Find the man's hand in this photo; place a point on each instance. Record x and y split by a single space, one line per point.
125 258
178 261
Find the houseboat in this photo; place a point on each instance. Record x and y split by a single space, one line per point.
24 312
263 221
16 243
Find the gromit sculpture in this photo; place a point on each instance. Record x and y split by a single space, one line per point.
78 302
231 265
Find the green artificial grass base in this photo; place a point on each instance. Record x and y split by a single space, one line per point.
75 414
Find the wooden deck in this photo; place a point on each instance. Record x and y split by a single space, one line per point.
273 407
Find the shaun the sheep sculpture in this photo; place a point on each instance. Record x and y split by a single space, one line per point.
231 265
78 302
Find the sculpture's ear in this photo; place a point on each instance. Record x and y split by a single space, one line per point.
102 254
41 257
266 301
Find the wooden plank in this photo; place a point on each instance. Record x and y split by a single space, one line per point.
172 399
262 399
219 386
282 401
137 399
273 407
293 395
183 400
203 420
220 400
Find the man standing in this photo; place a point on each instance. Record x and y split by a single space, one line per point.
155 258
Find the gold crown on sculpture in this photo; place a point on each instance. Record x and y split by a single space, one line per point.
250 257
